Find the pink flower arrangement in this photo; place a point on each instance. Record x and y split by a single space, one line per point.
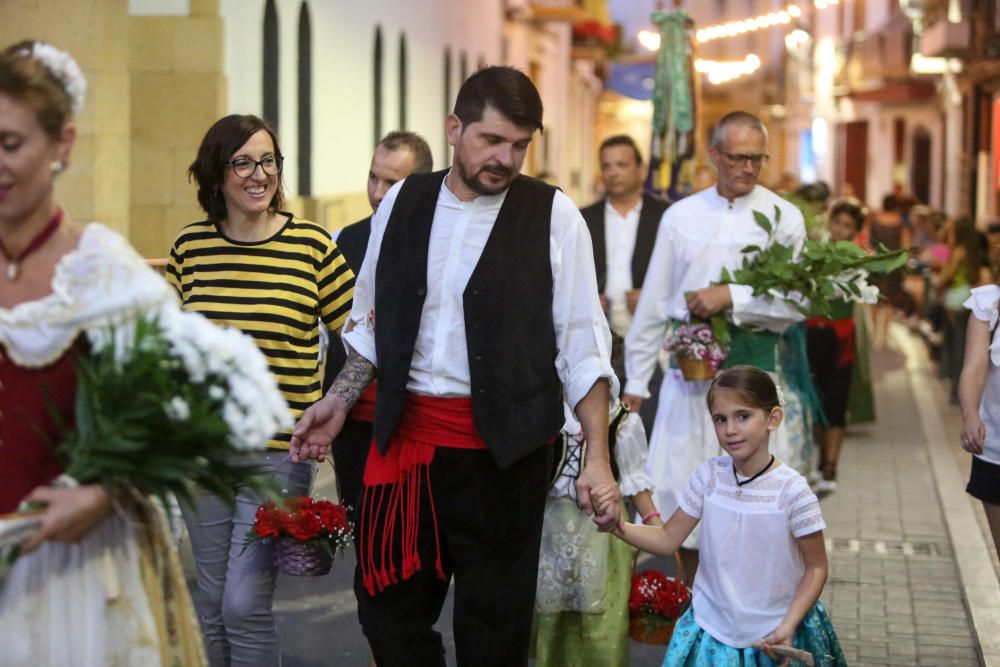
696 341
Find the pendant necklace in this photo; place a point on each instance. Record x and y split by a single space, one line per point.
14 263
740 485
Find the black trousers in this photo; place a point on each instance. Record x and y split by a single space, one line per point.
350 453
490 526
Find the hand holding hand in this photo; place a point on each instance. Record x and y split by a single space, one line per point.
973 434
596 480
320 424
69 513
709 300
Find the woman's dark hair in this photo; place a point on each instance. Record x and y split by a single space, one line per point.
851 207
209 168
507 90
754 386
26 78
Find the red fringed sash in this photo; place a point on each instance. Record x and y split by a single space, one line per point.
390 500
364 409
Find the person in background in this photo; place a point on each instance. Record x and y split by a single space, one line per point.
700 236
887 229
964 270
979 400
276 277
831 344
581 605
398 155
623 228
100 582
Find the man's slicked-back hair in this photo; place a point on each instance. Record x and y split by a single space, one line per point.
622 140
505 89
413 142
735 118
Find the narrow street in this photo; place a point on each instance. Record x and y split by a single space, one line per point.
913 576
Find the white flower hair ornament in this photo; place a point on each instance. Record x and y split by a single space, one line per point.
781 395
62 66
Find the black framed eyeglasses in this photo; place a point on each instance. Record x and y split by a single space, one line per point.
739 159
244 166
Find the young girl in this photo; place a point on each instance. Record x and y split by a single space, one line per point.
763 559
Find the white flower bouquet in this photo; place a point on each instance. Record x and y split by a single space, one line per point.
169 400
164 402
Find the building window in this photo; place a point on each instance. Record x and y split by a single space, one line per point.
270 69
402 81
305 102
377 84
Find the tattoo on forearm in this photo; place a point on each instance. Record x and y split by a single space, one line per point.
353 379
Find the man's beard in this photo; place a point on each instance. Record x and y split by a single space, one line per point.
473 183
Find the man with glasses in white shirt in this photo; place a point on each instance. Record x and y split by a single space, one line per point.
699 237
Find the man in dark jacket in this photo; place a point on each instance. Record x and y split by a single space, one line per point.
623 229
398 155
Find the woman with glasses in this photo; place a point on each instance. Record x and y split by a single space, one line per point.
277 278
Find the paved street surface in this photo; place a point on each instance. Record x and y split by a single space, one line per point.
911 579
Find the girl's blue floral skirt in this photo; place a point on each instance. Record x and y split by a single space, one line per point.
693 647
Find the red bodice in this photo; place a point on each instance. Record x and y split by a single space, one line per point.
30 400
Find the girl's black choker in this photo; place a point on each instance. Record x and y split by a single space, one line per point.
747 481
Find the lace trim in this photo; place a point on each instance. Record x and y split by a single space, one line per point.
103 281
808 525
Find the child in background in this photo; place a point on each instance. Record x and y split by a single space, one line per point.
763 559
584 576
831 344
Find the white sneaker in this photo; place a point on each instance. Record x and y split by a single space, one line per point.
825 487
815 477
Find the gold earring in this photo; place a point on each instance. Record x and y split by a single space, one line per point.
57 166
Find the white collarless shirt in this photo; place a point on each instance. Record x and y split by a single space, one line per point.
619 242
459 232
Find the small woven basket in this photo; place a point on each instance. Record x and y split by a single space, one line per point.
650 628
301 559
695 369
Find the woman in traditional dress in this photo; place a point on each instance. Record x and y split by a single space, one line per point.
99 582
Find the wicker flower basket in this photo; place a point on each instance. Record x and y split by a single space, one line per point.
650 628
695 369
301 559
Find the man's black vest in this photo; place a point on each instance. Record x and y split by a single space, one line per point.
516 393
645 237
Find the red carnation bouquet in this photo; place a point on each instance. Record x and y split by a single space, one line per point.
654 605
307 533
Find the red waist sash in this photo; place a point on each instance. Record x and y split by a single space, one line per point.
843 330
364 409
393 484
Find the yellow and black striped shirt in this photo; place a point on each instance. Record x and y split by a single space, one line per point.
275 290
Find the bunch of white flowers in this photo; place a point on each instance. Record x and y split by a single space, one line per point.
858 278
64 69
252 405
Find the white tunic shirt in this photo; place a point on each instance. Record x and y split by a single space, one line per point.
983 304
619 242
698 237
440 364
749 563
